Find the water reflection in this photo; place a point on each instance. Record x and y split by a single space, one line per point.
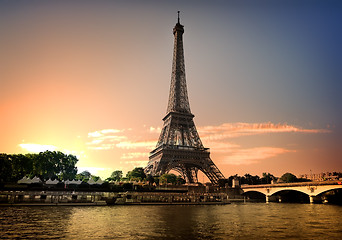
34 222
234 221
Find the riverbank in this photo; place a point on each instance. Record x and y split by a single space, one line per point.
77 198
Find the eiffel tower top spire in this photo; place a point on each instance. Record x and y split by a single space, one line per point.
178 98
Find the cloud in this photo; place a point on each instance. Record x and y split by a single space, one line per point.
223 147
234 130
218 137
140 163
133 155
252 155
105 139
36 148
102 172
155 130
103 132
101 147
133 145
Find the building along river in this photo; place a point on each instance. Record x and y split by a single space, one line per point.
232 221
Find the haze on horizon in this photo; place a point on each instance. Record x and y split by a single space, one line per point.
91 78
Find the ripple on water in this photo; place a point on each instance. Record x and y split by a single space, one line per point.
234 221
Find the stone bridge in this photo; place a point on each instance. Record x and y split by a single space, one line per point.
312 189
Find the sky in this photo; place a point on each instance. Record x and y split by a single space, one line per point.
91 78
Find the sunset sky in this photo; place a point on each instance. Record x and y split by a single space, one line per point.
91 78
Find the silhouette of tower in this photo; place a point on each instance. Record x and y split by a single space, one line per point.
179 146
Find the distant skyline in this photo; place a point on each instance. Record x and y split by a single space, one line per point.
91 78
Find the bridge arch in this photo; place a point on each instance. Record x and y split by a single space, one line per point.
254 190
327 189
255 195
291 195
290 189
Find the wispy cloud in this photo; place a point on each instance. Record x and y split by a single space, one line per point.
133 145
155 129
105 139
219 138
241 156
223 147
104 132
95 170
133 155
36 148
233 130
139 163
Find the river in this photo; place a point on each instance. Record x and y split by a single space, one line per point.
233 221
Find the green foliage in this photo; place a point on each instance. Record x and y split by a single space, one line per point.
137 174
86 174
250 179
267 178
150 179
83 176
168 178
288 178
180 180
171 178
95 178
44 165
115 176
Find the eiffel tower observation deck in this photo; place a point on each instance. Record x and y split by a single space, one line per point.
179 147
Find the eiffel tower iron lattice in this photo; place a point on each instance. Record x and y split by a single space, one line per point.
179 146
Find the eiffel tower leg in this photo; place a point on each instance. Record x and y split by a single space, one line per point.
190 174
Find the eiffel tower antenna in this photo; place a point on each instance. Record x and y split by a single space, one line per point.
179 146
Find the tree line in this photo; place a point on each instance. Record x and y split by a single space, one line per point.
57 165
138 175
45 165
267 178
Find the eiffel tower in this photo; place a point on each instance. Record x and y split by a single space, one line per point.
179 146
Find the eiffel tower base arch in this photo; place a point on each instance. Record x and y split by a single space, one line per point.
185 160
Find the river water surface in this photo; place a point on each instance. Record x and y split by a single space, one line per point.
233 221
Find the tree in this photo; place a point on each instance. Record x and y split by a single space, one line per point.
267 178
43 165
249 179
288 178
150 179
83 176
180 180
5 168
137 174
168 178
116 175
